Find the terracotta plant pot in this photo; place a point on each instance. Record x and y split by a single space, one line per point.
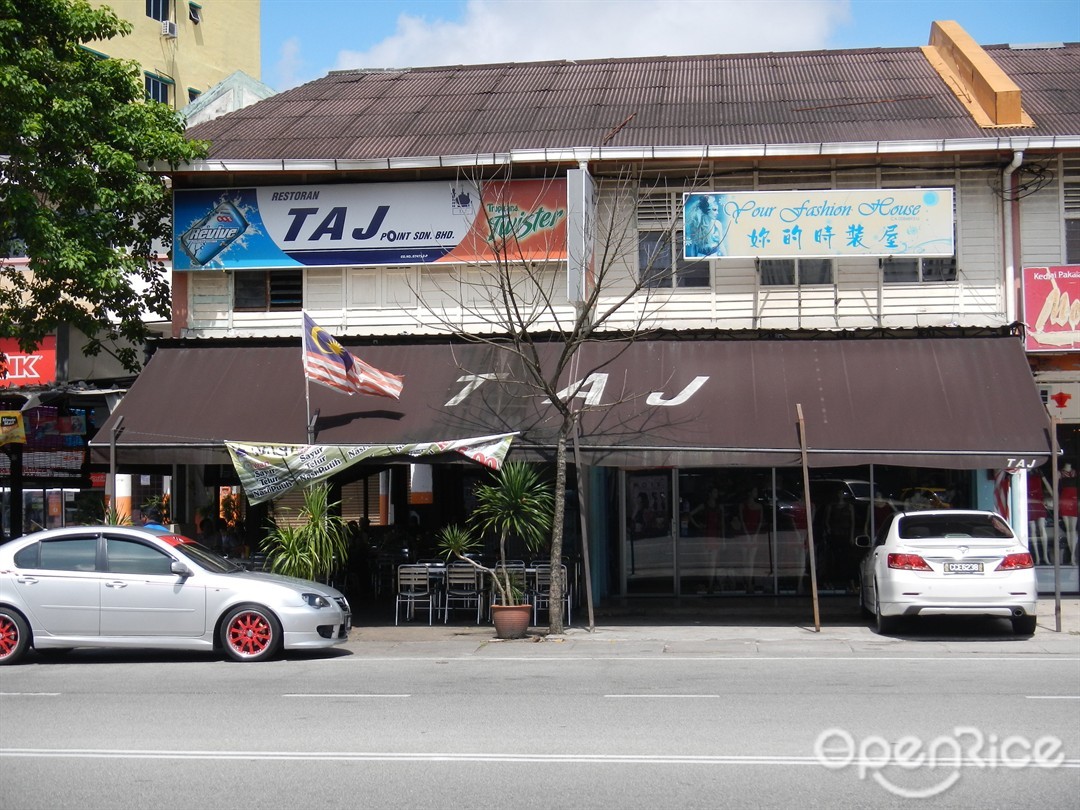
511 621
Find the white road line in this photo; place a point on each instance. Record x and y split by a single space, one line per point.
377 756
661 696
711 658
1052 697
341 695
30 694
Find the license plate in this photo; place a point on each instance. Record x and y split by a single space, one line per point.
964 568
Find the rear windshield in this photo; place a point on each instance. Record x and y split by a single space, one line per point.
913 527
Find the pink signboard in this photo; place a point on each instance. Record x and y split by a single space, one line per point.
1052 308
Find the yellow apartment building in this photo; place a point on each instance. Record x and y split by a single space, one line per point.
187 47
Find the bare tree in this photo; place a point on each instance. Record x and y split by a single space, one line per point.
513 301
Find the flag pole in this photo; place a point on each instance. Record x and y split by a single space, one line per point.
307 380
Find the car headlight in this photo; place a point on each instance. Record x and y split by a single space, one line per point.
315 600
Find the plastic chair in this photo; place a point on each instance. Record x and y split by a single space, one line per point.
462 589
414 590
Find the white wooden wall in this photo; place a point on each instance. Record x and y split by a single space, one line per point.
388 301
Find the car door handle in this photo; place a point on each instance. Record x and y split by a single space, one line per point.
116 584
26 580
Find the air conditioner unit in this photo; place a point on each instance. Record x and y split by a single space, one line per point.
168 29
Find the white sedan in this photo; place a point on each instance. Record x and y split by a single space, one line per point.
121 586
947 562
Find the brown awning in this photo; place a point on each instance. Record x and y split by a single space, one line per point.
960 403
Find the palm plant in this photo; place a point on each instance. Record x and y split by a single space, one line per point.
313 545
519 503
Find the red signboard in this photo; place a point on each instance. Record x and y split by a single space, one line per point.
19 369
1052 308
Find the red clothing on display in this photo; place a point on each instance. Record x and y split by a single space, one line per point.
1036 507
1067 497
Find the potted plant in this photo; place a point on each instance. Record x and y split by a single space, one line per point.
312 545
517 502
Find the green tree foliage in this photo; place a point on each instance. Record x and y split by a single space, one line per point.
78 141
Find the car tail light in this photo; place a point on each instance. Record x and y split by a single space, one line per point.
908 562
1012 562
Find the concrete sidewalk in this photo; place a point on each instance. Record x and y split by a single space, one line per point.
725 630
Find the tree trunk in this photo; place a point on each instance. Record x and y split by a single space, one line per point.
555 601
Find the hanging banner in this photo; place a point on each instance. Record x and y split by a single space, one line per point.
368 224
808 224
269 470
1052 308
12 430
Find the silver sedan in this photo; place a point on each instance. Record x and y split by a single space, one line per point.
121 586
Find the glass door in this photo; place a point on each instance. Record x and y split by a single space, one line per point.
649 559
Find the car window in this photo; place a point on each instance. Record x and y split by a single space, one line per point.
126 556
210 560
69 554
913 527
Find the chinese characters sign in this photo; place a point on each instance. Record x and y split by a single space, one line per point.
1052 308
369 224
806 224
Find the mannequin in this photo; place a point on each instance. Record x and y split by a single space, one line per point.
1067 502
1038 491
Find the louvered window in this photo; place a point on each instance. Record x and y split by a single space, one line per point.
660 244
268 291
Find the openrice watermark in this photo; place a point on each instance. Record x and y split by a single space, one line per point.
967 747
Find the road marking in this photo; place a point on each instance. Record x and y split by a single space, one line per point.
661 696
712 658
1052 697
341 695
30 694
379 756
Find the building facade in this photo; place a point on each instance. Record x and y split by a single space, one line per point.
780 260
186 48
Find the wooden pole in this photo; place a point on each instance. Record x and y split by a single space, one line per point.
584 527
809 517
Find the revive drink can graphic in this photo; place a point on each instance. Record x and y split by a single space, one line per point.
213 233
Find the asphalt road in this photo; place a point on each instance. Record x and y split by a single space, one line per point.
608 720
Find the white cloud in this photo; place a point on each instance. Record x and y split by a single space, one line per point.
289 65
534 30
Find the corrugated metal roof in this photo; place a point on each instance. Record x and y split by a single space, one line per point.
724 100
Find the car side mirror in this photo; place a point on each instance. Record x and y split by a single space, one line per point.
181 570
863 541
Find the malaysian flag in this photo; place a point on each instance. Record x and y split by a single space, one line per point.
327 363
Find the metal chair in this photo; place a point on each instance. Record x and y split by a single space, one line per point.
515 569
541 594
414 590
462 589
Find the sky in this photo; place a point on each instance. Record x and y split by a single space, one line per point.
304 40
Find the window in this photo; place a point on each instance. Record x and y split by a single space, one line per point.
69 554
194 12
1072 219
660 245
193 94
157 88
132 557
268 290
159 9
795 272
914 269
